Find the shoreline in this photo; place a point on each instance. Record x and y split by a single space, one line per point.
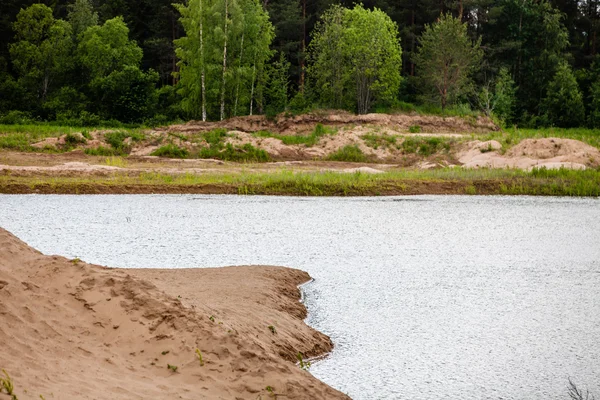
228 332
453 181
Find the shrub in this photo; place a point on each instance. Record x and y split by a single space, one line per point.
415 129
16 118
348 153
72 139
424 146
170 151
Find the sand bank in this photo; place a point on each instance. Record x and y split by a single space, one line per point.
71 330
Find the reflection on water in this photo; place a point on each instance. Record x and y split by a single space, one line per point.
425 297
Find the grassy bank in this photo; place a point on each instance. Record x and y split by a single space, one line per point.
405 182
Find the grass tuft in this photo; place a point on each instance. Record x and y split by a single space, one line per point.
350 153
170 151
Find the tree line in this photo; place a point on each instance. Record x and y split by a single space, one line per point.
527 62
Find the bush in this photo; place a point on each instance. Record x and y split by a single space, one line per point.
348 153
244 153
414 129
72 139
170 151
117 140
16 118
424 146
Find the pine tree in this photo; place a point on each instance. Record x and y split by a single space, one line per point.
563 104
446 60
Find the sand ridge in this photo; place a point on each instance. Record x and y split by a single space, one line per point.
71 330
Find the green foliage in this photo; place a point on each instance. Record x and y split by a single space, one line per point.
215 137
376 141
504 96
172 367
105 49
222 56
424 146
350 153
128 95
272 329
81 16
199 355
117 141
40 55
72 139
446 60
308 140
564 102
414 129
355 58
305 365
245 153
276 91
171 151
6 383
594 117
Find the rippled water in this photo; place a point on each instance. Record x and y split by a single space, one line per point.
425 297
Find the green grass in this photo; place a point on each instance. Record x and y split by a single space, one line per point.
375 141
21 137
425 146
560 182
170 151
245 153
307 140
348 153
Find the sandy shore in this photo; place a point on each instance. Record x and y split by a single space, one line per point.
71 330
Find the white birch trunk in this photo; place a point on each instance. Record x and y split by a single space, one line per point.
202 78
224 63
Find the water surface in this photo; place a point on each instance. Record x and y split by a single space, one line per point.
425 297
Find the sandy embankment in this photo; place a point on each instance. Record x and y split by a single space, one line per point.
70 330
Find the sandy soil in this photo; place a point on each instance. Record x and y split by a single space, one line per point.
550 153
70 330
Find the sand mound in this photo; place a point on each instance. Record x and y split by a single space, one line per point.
306 122
531 153
71 330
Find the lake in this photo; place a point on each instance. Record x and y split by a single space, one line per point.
424 297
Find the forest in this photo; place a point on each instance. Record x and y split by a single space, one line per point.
530 63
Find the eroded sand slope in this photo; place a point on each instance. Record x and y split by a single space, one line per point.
70 330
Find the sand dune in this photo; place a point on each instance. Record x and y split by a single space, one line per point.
70 330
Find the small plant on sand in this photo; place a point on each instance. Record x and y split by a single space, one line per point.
170 151
305 365
76 260
212 318
72 139
199 355
115 162
164 353
272 329
172 367
6 383
348 153
414 129
486 149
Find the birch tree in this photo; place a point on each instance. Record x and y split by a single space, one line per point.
222 55
355 58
